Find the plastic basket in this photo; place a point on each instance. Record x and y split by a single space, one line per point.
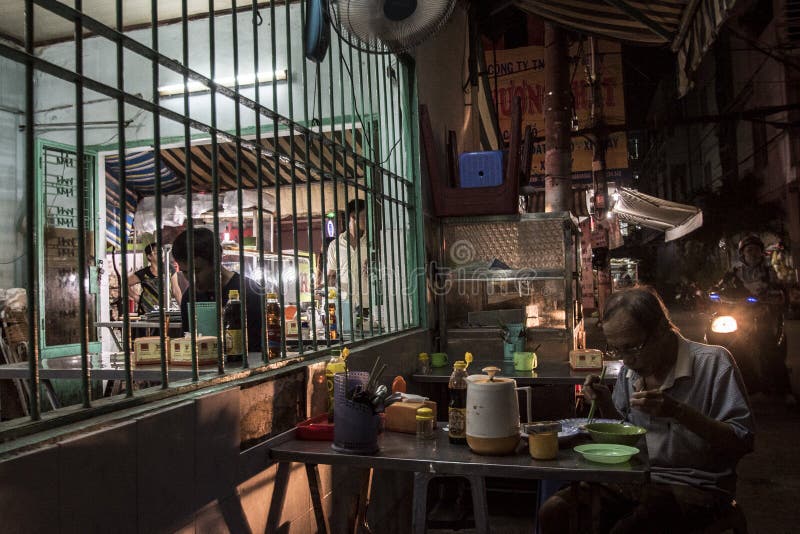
355 429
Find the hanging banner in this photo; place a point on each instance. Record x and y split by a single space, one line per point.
520 72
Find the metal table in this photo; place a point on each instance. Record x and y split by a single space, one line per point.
402 452
547 373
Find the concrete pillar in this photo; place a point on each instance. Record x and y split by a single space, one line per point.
557 121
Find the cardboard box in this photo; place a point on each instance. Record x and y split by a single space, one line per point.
585 359
181 353
147 350
402 416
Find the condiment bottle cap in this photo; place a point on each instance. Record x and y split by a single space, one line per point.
233 294
423 356
460 364
424 414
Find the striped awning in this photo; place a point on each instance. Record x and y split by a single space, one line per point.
305 153
311 157
689 27
140 181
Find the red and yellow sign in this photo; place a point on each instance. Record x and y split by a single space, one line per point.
520 72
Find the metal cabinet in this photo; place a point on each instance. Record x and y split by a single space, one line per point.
501 270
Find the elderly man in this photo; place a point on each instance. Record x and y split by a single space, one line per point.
690 398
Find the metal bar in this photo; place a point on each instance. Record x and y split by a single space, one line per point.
83 332
335 190
237 114
259 190
32 213
123 211
212 40
392 158
323 214
377 184
369 198
353 113
292 155
385 142
187 169
357 244
159 225
275 137
309 219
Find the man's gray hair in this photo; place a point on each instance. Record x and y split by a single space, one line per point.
644 305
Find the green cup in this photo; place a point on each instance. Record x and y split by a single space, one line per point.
438 359
524 361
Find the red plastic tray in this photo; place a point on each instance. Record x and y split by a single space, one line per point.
316 429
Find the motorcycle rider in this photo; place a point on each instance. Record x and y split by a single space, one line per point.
755 275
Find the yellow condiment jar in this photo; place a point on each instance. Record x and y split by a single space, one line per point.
543 439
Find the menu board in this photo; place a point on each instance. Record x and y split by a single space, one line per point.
60 253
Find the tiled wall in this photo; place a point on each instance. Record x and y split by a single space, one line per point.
182 469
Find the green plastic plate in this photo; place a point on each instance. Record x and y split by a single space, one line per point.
606 453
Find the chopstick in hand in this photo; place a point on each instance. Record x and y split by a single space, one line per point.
594 401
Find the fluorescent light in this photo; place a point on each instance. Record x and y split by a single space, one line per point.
194 86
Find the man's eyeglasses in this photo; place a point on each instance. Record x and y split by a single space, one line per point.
618 353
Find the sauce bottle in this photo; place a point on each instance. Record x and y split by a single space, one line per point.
457 408
335 365
273 312
332 330
232 317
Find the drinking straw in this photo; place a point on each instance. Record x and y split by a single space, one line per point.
594 401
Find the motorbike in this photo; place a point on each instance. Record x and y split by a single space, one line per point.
748 326
690 297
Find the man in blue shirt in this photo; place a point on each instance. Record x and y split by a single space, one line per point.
691 399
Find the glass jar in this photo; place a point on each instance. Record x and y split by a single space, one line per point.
423 363
425 424
543 439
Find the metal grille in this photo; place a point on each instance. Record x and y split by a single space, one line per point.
240 135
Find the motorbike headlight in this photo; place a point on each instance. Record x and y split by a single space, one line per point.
724 324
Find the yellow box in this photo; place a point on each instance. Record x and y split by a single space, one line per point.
402 416
147 350
181 353
585 359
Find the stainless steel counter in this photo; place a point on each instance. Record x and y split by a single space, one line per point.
546 373
402 452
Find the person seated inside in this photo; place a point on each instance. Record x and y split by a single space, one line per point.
147 280
204 244
691 399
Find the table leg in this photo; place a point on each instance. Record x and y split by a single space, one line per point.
279 488
361 523
315 486
420 502
479 505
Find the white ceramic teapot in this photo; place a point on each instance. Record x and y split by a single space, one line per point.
493 413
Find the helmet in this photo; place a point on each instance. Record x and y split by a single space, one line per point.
751 239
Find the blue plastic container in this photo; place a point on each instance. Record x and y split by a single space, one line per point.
481 169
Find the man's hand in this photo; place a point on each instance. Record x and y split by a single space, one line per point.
594 389
654 402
